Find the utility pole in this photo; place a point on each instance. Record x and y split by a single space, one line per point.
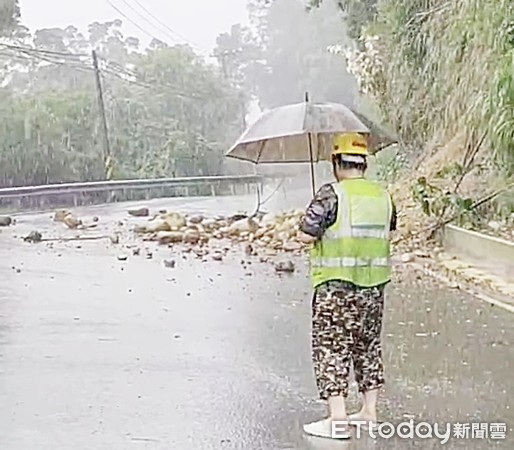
107 147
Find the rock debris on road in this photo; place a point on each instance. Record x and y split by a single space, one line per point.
96 353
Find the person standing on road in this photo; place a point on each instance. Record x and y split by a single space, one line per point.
349 223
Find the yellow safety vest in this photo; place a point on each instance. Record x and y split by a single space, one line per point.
356 247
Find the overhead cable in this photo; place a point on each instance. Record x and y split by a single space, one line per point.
166 26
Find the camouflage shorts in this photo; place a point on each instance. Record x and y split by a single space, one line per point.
346 329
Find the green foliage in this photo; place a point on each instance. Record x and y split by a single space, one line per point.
389 167
175 116
449 66
452 171
358 13
436 203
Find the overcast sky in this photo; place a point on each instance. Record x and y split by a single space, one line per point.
199 21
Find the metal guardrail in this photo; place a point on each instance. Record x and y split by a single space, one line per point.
98 186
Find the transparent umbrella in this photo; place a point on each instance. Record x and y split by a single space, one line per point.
303 133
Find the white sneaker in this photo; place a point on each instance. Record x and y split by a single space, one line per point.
323 428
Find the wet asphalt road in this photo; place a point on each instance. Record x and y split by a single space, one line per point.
101 354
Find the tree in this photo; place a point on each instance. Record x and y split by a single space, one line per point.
164 108
279 65
358 13
9 16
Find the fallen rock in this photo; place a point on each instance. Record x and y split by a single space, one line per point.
33 236
140 229
249 250
210 224
170 263
247 225
169 237
157 225
191 237
60 214
234 218
122 257
200 253
407 258
140 212
196 219
174 220
115 238
5 221
218 256
72 222
292 246
136 251
95 219
285 266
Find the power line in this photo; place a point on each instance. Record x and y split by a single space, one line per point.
132 21
112 68
27 53
46 51
164 25
152 86
174 35
146 20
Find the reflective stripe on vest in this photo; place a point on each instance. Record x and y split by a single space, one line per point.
378 232
352 262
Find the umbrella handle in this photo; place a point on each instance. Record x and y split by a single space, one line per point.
311 157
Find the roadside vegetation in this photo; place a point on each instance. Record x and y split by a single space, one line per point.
442 75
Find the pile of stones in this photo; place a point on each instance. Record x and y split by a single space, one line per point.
270 232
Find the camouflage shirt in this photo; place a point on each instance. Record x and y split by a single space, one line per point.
322 213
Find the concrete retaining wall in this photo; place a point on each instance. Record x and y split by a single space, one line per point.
485 251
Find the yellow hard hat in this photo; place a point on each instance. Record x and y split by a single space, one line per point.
350 144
